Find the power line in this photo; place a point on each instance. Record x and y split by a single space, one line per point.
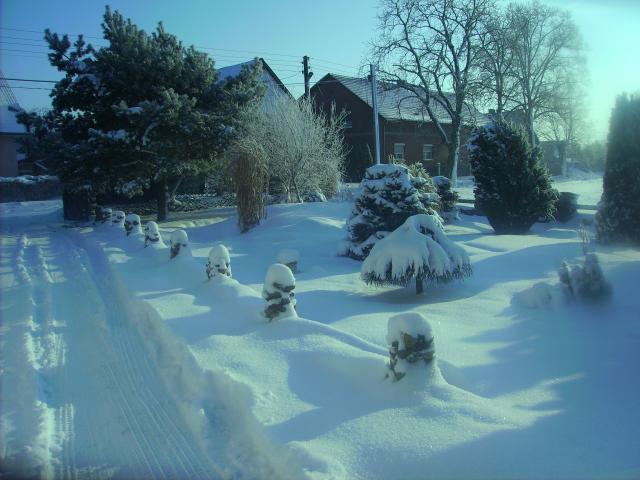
28 80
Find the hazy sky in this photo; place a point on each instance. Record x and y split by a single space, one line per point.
334 33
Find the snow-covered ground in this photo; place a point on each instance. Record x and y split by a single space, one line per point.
588 186
514 392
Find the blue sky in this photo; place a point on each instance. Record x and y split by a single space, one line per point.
334 33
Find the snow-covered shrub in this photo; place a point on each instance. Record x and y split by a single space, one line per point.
618 217
419 249
314 196
541 295
586 281
132 224
103 215
219 262
448 198
410 341
278 292
117 219
179 244
512 186
387 197
424 185
290 258
566 206
152 235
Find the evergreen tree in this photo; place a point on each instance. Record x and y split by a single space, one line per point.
512 186
618 218
387 197
140 111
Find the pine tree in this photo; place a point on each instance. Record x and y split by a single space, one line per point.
141 111
387 197
512 186
618 218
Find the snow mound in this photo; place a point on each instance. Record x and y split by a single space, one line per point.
152 235
117 219
132 224
179 244
541 295
288 256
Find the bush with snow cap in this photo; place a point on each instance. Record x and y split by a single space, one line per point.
132 224
586 281
117 219
419 249
103 215
278 292
290 258
179 244
219 262
387 197
152 235
447 197
410 341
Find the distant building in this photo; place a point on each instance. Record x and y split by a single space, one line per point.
10 131
406 131
272 83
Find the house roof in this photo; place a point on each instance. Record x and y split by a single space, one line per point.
268 75
398 103
8 123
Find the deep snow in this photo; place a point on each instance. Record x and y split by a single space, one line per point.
513 391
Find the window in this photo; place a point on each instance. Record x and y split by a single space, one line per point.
427 153
398 151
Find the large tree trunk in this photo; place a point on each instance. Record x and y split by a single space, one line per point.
531 130
162 198
454 154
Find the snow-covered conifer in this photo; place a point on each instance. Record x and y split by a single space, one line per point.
618 217
585 281
180 244
278 292
219 262
132 224
410 341
419 249
152 235
290 258
117 219
387 197
512 186
448 198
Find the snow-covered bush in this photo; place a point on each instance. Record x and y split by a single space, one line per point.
290 258
424 185
132 224
618 217
314 196
103 215
410 341
586 281
419 249
152 235
512 186
303 147
117 219
219 262
448 198
541 295
179 244
387 197
278 292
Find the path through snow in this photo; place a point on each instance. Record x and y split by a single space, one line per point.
81 397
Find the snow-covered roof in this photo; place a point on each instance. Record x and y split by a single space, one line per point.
269 77
398 103
8 123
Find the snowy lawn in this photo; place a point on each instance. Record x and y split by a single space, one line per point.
514 392
588 186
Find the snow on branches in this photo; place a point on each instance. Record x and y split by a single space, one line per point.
410 341
219 262
387 197
419 249
278 292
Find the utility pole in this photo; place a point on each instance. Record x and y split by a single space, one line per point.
307 75
374 101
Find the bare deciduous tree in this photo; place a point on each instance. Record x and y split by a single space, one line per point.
546 46
431 48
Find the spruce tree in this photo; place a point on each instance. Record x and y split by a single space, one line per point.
512 186
141 111
618 218
387 197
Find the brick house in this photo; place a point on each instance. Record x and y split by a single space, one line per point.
406 132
